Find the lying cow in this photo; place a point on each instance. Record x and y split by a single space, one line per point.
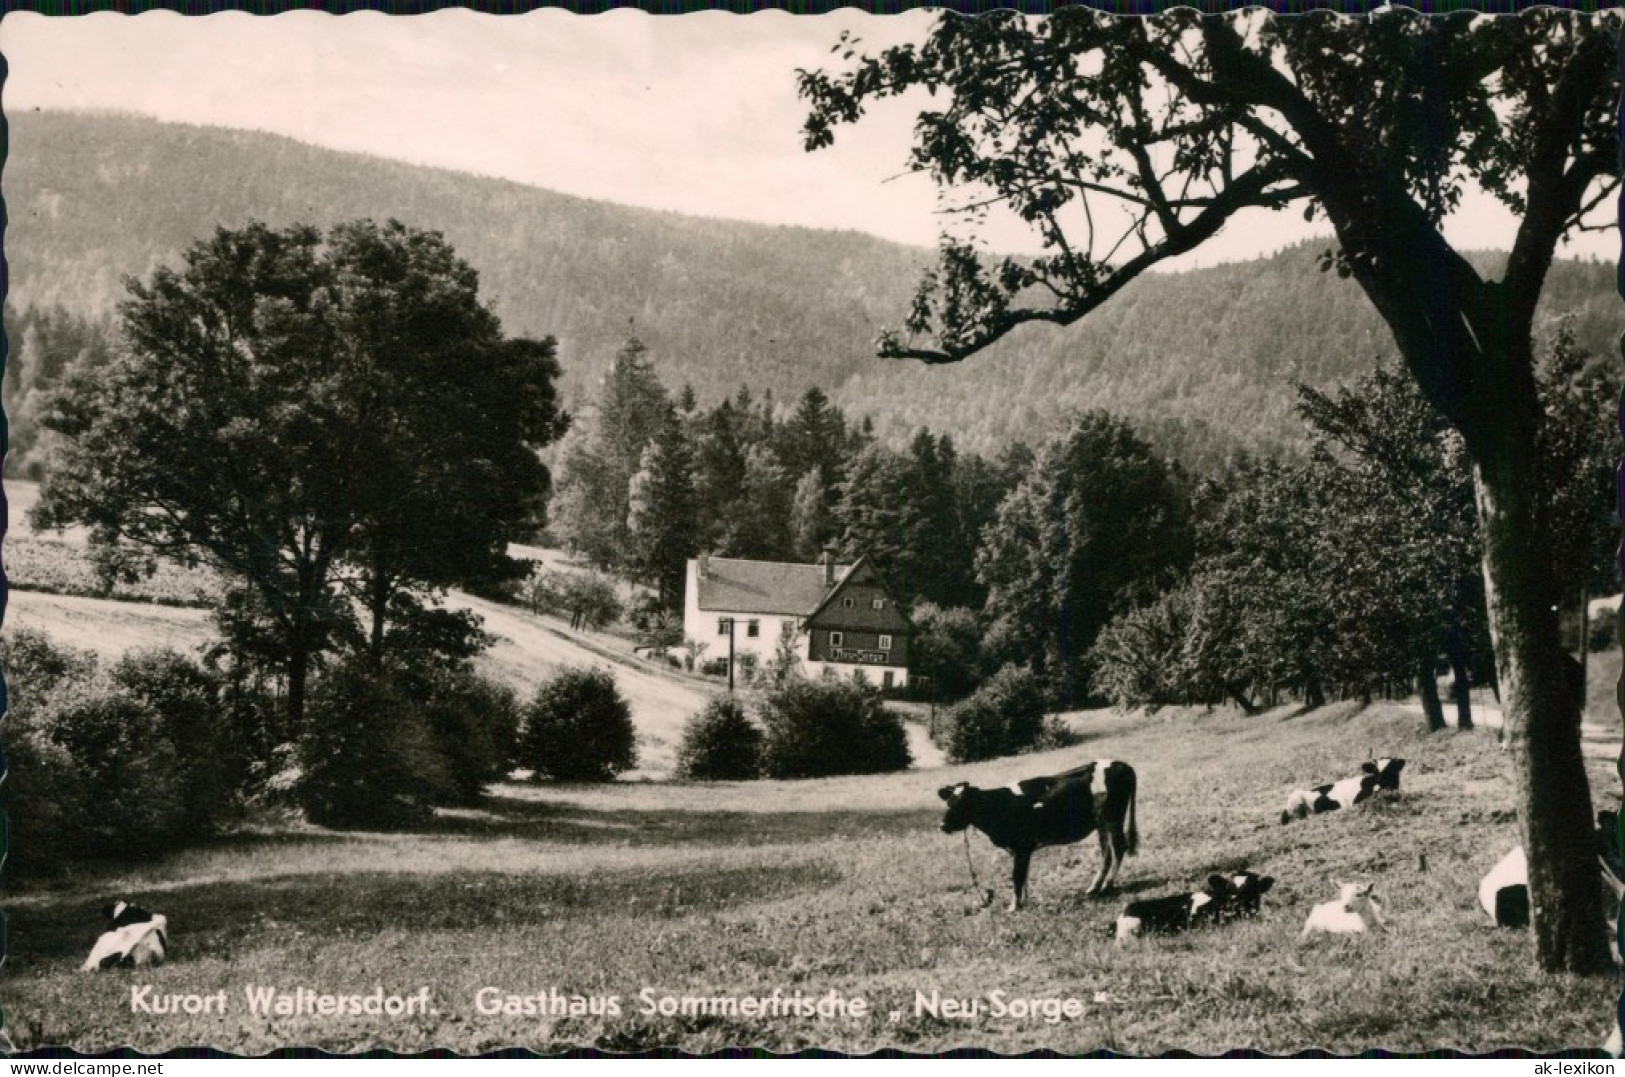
134 938
1224 898
1503 893
1354 912
1058 810
1374 774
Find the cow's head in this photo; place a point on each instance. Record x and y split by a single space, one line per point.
1209 902
1248 888
958 815
1356 896
1385 770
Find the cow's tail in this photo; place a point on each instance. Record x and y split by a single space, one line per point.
1133 829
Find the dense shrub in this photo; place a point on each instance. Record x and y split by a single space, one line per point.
188 700
130 778
43 799
118 763
1055 733
35 667
1004 716
946 650
474 722
720 744
368 758
42 795
817 728
578 728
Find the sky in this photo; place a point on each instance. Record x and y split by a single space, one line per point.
695 113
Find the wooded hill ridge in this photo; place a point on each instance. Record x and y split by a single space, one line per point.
1204 362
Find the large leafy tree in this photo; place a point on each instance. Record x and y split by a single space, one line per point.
272 413
1124 142
1100 525
1394 466
451 471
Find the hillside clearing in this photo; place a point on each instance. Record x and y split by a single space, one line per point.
846 885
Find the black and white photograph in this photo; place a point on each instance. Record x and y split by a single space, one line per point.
720 533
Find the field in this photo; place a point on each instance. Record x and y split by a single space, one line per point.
846 885
647 889
55 563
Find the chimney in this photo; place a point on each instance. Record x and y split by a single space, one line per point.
705 566
828 561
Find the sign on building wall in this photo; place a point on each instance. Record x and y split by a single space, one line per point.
870 658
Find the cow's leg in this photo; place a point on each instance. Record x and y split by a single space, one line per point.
1108 860
1119 847
1018 877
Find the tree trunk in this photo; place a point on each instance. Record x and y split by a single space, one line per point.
298 671
1248 707
1428 688
1583 649
378 599
1462 689
1540 705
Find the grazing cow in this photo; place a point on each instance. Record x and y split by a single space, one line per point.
1374 774
1057 810
1224 898
134 938
1355 912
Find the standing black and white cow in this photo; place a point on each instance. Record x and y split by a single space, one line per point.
1374 774
1057 810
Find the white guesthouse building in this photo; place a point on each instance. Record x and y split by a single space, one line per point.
841 618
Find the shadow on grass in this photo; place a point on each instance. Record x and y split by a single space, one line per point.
218 919
562 821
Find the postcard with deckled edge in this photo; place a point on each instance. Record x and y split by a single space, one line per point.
1073 534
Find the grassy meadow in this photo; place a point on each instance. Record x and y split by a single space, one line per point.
848 885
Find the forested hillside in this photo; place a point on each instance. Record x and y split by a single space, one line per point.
1203 361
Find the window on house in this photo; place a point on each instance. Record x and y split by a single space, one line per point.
836 639
722 626
879 603
846 602
753 629
885 643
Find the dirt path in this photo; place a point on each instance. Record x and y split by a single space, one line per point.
529 649
1598 739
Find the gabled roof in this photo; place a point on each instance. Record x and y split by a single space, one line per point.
738 586
861 616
